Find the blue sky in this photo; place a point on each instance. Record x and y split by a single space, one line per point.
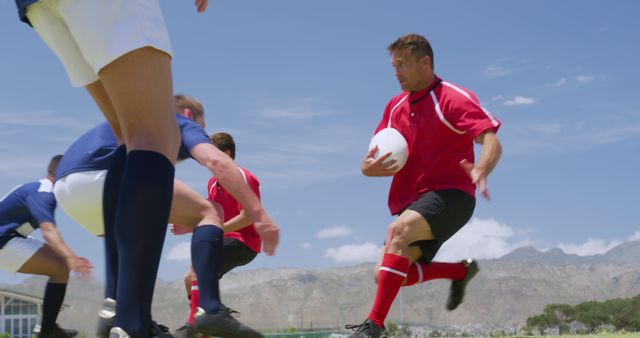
301 85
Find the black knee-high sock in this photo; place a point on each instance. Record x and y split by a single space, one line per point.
109 204
51 304
206 256
141 223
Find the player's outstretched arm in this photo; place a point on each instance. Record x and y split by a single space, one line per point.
75 263
240 221
489 157
229 176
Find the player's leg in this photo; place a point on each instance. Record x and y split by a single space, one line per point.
109 202
414 253
189 209
393 267
139 86
133 66
193 295
446 212
410 227
234 254
206 257
46 262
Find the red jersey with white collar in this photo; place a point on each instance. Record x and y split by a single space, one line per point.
232 207
440 124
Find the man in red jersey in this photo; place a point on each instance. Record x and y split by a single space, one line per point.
241 243
434 192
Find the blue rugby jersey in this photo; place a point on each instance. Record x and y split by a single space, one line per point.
22 9
94 150
24 208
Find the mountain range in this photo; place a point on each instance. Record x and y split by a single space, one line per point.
505 292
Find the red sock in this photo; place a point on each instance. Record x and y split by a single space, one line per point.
195 301
393 271
420 272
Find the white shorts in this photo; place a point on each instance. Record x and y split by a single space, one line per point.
79 195
87 35
18 251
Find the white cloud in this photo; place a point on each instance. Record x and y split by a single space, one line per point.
180 252
592 246
615 134
635 236
291 114
559 83
585 78
314 153
497 71
527 137
482 239
306 246
350 253
520 101
303 109
334 231
546 128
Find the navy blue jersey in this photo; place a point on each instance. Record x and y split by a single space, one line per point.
94 150
192 135
22 9
25 208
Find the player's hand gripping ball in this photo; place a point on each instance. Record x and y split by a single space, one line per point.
390 140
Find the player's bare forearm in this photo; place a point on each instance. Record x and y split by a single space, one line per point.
55 241
240 221
229 176
491 151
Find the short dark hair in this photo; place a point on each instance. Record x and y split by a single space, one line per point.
224 142
182 101
53 165
417 45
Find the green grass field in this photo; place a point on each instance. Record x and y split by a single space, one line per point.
600 335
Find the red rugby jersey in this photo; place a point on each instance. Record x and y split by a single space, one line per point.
218 194
440 124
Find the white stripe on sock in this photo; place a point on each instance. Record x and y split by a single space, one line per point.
384 268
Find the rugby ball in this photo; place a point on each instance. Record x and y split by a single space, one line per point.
389 140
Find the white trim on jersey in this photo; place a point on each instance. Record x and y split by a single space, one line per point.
493 119
394 108
399 273
244 178
45 185
436 104
420 273
465 94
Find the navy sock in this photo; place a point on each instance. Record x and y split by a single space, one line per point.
206 257
109 204
141 222
51 304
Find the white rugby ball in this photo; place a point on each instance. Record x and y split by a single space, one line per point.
390 140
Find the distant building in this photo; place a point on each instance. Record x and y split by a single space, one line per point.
19 313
